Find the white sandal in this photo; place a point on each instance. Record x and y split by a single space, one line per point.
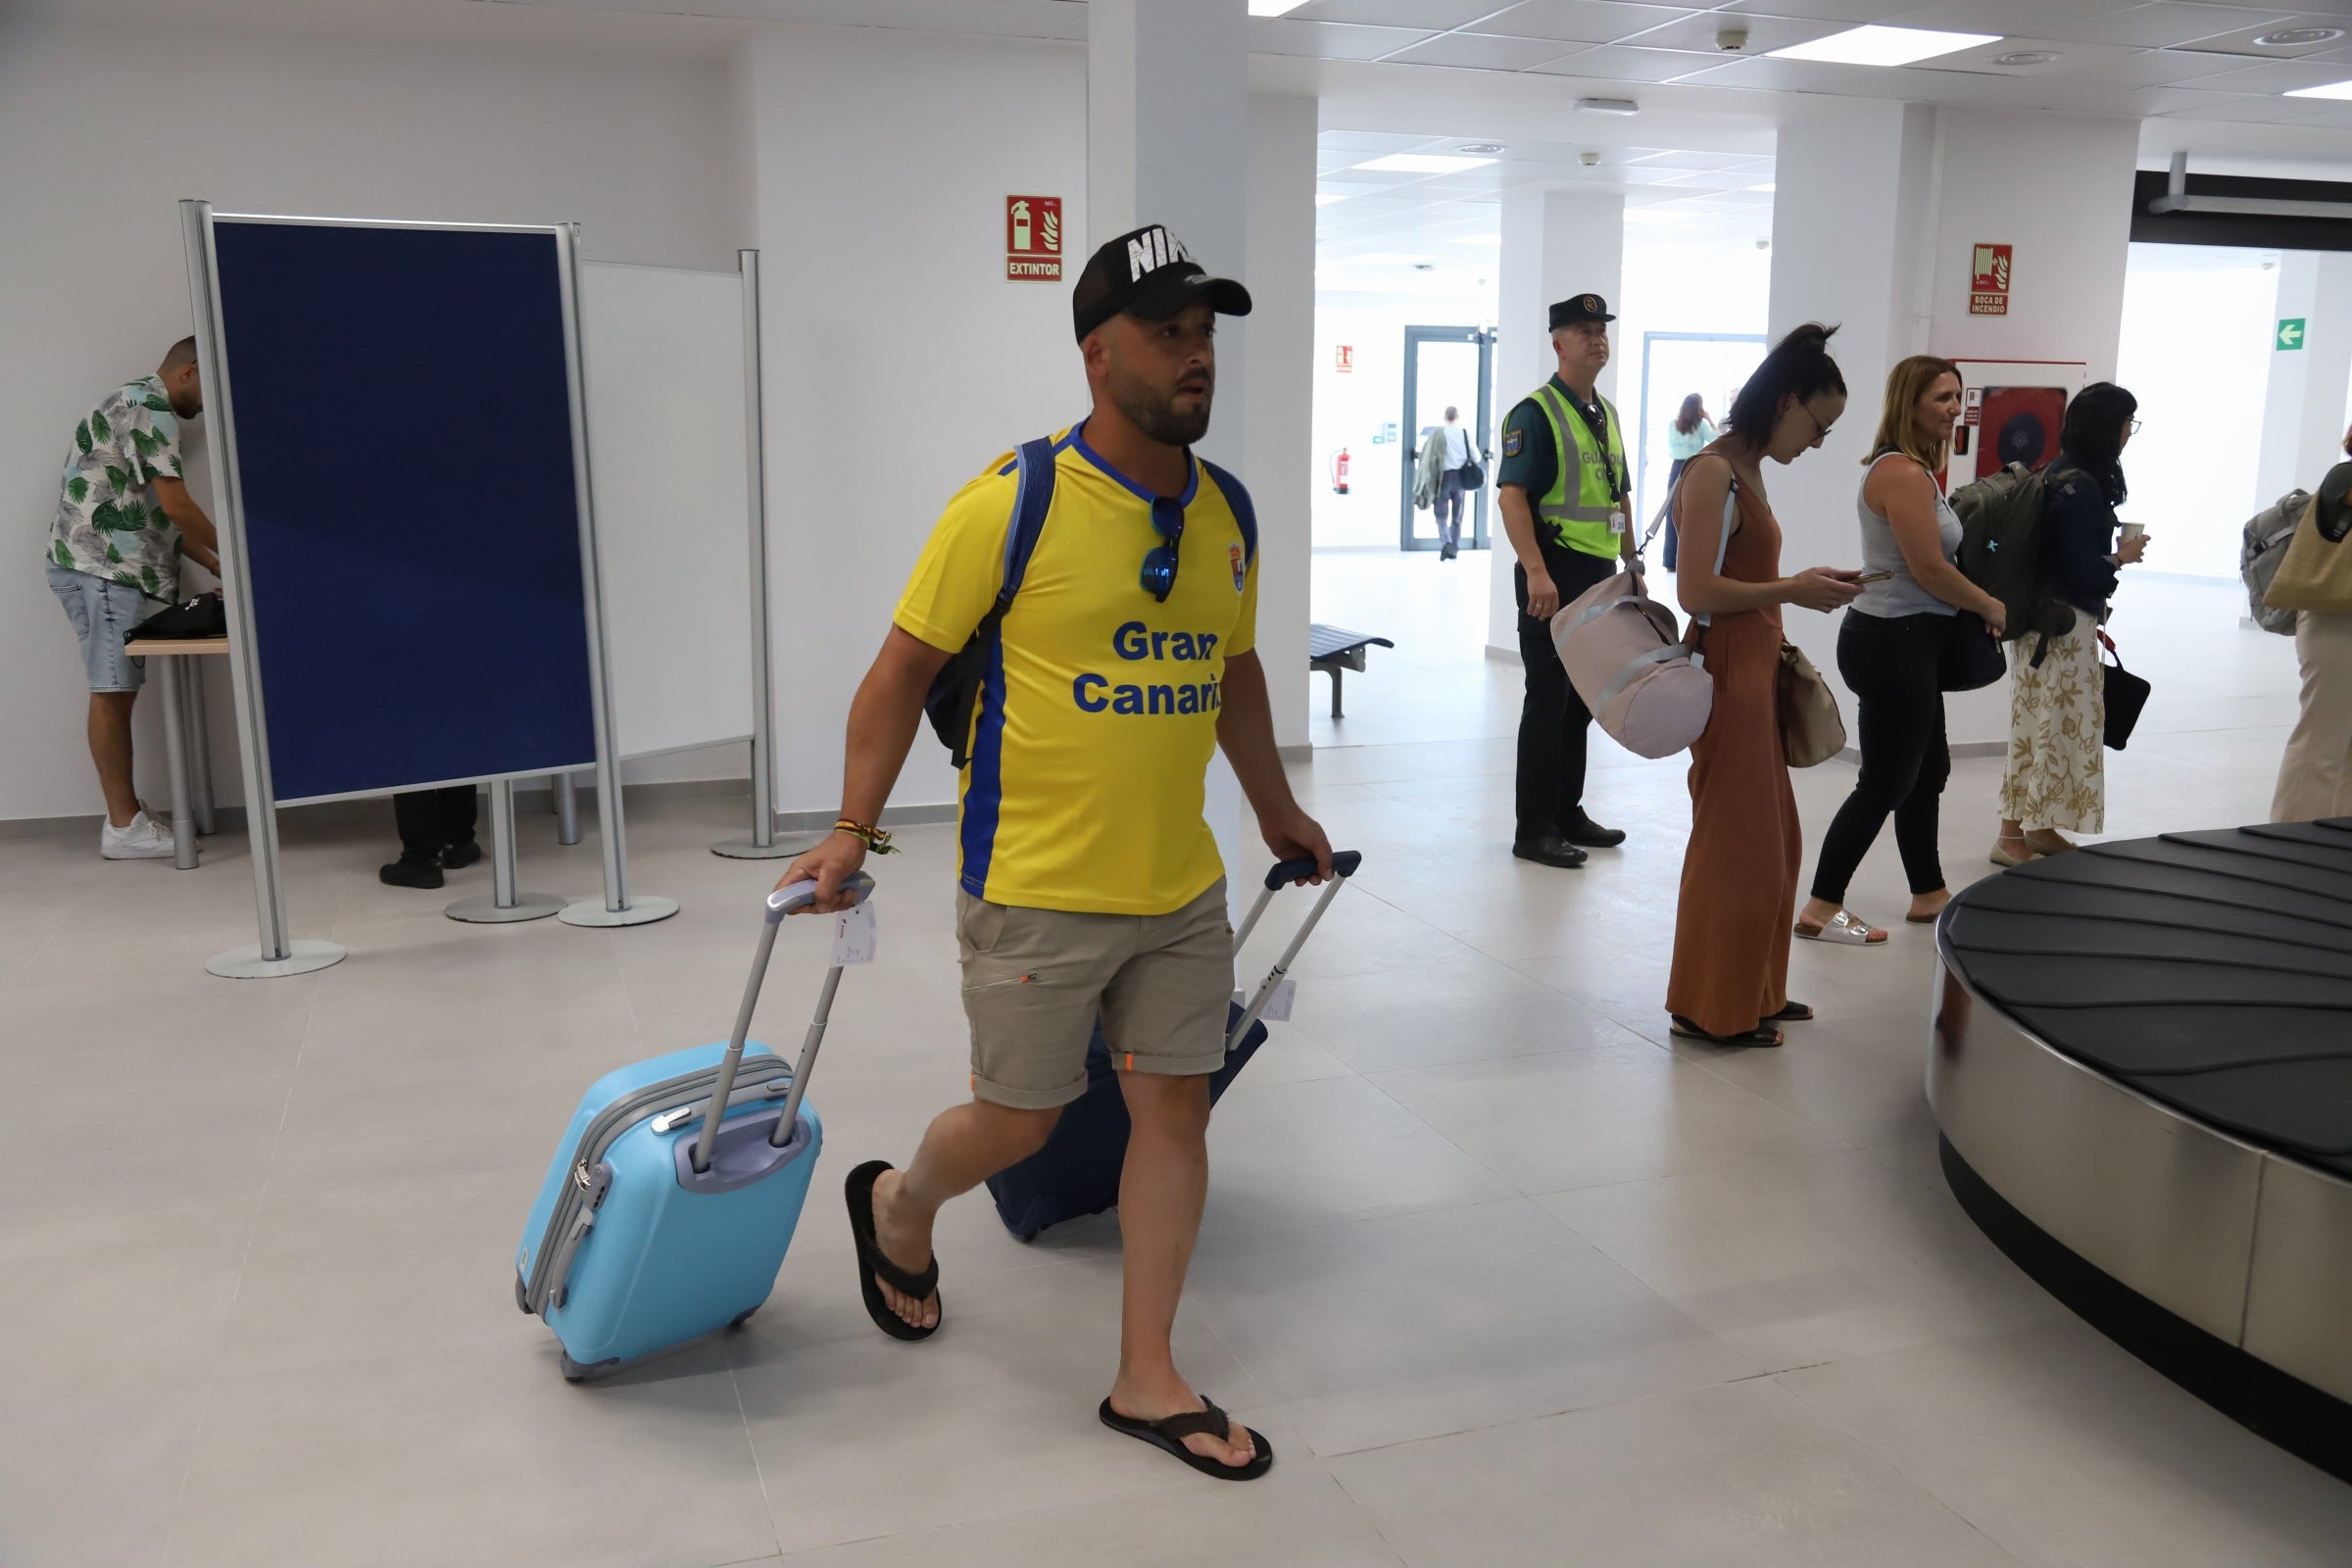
1844 927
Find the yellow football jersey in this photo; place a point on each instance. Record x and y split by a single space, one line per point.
1099 711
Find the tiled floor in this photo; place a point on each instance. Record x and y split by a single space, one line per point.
1506 1277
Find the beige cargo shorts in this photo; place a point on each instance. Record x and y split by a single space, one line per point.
1035 981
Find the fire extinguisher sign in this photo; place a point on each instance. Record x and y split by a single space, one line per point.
1033 239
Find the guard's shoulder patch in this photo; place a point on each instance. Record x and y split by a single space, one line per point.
1513 440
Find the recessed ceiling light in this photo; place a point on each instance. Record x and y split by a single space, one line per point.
1875 45
2333 89
1273 8
2296 37
1607 106
2027 57
1424 163
1476 147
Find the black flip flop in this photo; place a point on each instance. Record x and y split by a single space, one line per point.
859 1191
1761 1035
1212 1422
1794 1012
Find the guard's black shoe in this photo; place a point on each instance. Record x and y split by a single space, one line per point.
1549 852
1581 829
458 857
407 873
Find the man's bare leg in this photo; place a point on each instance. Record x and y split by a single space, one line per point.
110 749
1161 1190
964 1145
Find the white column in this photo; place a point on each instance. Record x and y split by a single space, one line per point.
2304 415
1554 243
1168 134
1278 372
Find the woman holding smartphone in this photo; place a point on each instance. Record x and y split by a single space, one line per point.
1729 985
1891 650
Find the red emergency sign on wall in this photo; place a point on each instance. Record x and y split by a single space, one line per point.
1033 239
1988 280
1342 358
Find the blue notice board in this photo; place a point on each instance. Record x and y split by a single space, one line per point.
404 444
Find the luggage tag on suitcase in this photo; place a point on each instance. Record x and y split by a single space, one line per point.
1278 1001
854 936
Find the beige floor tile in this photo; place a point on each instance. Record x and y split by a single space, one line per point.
89 1473
1386 1330
2066 1450
1741 1474
474 1455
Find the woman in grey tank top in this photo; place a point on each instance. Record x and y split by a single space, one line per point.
1891 650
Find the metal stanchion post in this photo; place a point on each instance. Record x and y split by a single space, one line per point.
563 798
504 906
200 746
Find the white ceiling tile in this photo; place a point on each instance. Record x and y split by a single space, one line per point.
1583 21
1617 63
1994 15
1482 51
1764 33
2075 60
2265 110
2157 101
2270 76
1697 163
2158 26
1329 40
1371 141
2147 68
1422 14
1850 12
2241 42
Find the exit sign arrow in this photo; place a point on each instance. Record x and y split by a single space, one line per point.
2290 333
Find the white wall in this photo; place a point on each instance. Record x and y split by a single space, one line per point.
1554 244
1278 458
881 164
108 126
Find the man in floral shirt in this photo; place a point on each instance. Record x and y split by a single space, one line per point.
124 517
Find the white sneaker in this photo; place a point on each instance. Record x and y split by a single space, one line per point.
141 840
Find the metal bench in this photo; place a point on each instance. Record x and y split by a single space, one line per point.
1335 650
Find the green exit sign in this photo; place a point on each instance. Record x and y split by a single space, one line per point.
2290 333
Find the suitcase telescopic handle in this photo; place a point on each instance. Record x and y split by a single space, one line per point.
782 901
1344 863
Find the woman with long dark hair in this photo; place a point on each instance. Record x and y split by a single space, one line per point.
1692 433
1892 651
2056 777
1730 984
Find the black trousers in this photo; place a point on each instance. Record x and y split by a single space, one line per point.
431 820
1891 661
1552 718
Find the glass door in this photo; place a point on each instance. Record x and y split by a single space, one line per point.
1448 366
1675 364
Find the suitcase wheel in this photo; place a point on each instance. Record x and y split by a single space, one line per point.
574 1371
743 1317
523 1298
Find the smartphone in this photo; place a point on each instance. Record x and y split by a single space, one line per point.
1876 576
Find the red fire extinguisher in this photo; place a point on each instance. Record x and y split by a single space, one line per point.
1339 472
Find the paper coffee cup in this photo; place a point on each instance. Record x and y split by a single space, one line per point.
2132 530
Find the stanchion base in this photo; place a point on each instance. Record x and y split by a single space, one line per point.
645 911
487 910
783 849
247 963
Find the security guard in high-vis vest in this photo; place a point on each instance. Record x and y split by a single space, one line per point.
1565 490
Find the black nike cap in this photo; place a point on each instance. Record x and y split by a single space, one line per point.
1147 273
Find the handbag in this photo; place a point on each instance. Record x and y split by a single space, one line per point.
1812 730
1474 477
1972 658
2126 695
2317 573
201 616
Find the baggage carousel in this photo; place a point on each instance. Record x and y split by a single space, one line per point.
2142 1071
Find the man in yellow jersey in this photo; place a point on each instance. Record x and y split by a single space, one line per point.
1090 883
1564 489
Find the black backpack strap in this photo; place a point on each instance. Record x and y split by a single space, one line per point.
1033 497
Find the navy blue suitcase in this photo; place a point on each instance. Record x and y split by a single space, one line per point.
1077 1172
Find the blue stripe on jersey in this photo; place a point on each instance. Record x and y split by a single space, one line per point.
1191 470
984 796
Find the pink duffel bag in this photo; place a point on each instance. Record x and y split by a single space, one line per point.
1625 658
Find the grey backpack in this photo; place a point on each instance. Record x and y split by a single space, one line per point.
2259 553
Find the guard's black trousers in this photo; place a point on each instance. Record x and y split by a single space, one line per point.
431 820
1552 718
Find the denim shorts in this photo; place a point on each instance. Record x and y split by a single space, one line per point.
103 615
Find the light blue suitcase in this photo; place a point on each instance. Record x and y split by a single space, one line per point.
654 1225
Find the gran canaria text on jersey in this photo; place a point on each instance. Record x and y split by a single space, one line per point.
1135 642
